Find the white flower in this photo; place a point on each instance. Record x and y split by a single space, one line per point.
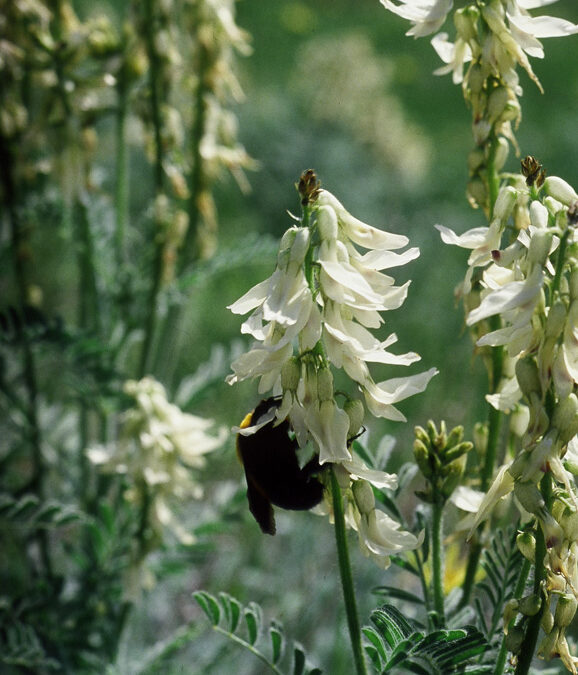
157 446
319 307
427 16
380 537
502 486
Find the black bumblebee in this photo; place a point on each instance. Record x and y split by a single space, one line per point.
272 469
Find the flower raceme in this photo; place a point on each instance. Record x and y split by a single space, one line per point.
315 315
512 33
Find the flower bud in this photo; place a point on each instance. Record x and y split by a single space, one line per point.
540 245
556 320
497 101
300 246
465 20
526 544
363 495
501 155
529 496
549 646
510 612
565 610
560 190
421 454
476 79
505 202
514 639
327 223
476 160
547 622
565 418
477 193
291 374
538 215
453 474
356 412
530 605
324 384
528 376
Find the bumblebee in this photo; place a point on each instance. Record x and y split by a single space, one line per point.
274 477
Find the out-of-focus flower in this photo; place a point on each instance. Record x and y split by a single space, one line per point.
157 447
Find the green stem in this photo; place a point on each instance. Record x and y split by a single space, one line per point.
155 77
487 472
533 628
248 646
438 561
121 187
518 591
347 577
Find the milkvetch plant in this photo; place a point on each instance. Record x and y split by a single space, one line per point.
315 312
518 294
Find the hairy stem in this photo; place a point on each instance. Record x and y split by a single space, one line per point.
347 577
438 561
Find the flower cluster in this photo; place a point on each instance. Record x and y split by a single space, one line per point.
157 447
526 302
494 37
316 311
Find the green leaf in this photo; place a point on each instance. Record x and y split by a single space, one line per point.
253 621
398 594
392 625
376 641
277 641
404 564
298 659
209 605
232 609
402 650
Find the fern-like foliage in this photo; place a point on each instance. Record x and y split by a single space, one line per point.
395 645
21 648
30 513
244 625
502 563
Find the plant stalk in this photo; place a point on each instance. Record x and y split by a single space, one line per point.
347 577
533 628
438 561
